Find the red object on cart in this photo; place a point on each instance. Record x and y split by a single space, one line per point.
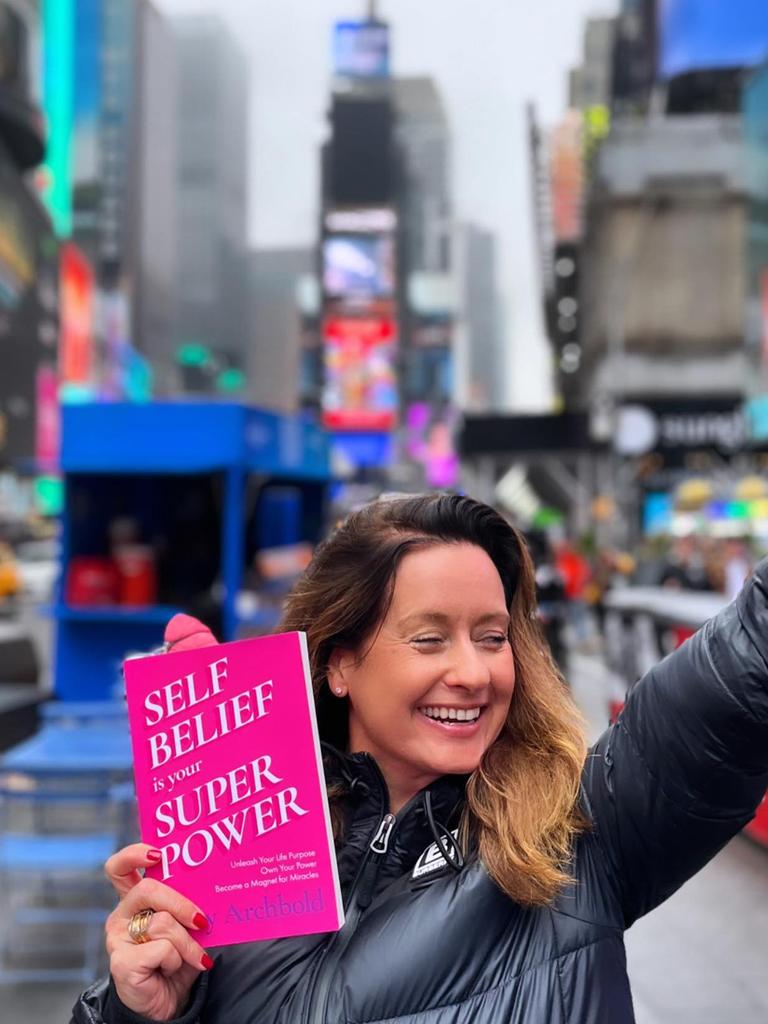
138 580
92 581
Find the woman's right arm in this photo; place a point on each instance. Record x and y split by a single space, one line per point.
163 979
152 980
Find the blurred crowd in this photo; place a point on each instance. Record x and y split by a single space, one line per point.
573 578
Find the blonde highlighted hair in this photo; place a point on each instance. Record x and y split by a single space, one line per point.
522 801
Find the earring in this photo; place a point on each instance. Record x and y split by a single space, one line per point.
339 690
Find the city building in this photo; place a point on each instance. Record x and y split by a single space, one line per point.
389 294
656 291
212 199
437 356
634 58
591 83
278 348
123 167
667 217
479 311
423 135
28 249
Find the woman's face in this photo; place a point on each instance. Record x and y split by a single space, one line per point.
434 686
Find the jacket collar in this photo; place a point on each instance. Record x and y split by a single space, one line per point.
367 797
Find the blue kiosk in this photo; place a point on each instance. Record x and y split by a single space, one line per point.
207 484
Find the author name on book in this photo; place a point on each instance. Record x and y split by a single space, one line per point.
276 905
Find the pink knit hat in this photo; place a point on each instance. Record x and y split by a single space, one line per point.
185 633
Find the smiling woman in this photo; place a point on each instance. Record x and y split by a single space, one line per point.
428 602
446 653
489 867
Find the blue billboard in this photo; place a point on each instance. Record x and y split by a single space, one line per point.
361 49
698 35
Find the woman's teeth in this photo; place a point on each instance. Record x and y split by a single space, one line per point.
452 714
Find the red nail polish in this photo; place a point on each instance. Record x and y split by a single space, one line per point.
154 855
207 962
200 921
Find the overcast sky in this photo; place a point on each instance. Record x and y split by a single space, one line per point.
488 58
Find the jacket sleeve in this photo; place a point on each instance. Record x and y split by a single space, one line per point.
100 1004
686 764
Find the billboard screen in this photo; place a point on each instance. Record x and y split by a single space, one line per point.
47 418
359 266
361 49
55 178
362 157
76 312
431 440
567 177
698 35
360 390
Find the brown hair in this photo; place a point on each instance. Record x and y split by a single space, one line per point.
522 799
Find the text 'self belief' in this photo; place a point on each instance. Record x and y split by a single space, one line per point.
207 725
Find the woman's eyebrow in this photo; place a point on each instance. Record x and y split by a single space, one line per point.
440 619
419 618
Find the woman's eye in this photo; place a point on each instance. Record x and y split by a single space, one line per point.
427 641
495 639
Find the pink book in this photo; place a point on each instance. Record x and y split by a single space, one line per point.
230 786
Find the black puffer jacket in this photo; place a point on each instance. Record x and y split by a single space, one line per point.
679 774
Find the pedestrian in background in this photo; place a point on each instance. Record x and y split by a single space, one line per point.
575 571
489 865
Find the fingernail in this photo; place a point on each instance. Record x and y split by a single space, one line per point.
200 921
207 962
154 855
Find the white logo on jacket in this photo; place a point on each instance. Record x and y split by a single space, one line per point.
432 859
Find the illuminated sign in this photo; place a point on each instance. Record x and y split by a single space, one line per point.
567 177
361 49
431 440
47 418
77 317
17 254
58 100
359 265
360 390
658 509
373 219
696 35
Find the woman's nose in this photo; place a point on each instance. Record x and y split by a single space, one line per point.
468 669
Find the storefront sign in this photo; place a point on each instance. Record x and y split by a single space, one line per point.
662 427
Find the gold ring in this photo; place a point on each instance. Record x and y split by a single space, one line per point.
139 925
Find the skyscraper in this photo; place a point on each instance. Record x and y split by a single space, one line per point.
28 252
424 136
212 204
480 313
123 173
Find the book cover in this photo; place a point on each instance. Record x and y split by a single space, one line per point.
230 786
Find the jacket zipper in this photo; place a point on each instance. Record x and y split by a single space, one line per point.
380 842
360 896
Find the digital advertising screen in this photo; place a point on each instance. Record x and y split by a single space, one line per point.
699 35
361 170
360 391
77 312
658 511
567 176
361 49
430 438
359 265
